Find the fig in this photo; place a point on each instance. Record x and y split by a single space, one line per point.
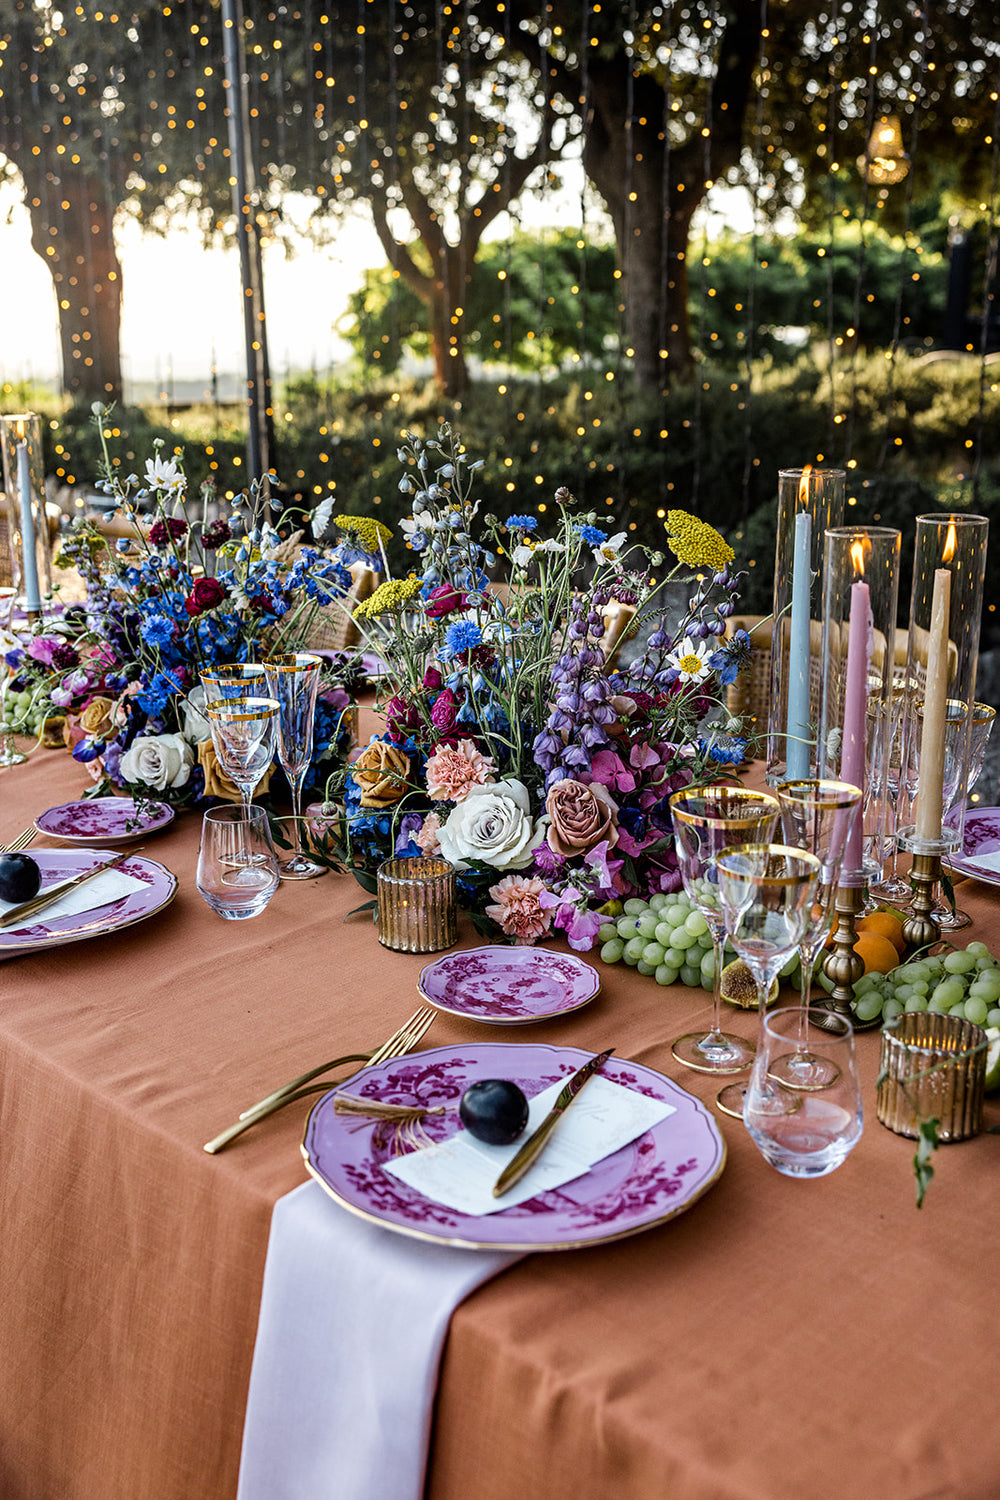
20 877
494 1110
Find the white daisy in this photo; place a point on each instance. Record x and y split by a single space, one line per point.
523 554
163 474
421 522
691 659
608 551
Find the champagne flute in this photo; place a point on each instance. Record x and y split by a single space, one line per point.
816 1136
293 680
706 821
767 893
243 731
817 816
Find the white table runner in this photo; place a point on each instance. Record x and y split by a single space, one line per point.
352 1323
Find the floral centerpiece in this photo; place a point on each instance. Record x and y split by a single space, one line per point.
513 745
172 598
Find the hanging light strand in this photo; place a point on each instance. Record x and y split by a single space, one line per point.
749 326
989 297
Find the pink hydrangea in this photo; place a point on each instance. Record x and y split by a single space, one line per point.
454 769
517 909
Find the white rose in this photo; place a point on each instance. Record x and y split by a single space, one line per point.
494 825
196 726
158 760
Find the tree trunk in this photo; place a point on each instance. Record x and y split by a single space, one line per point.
72 230
448 295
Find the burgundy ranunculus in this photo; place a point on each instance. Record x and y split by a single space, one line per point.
206 594
432 680
401 718
444 600
161 531
444 715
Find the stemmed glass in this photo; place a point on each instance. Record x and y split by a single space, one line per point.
767 893
706 821
979 735
232 679
883 785
293 680
9 753
817 816
243 731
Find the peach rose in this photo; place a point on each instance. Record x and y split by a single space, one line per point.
217 782
381 771
581 816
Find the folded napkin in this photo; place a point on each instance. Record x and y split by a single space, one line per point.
990 861
352 1322
111 886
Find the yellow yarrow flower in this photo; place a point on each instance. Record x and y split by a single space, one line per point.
370 533
696 543
388 598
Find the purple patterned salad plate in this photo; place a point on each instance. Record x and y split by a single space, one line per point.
982 836
103 820
508 986
644 1184
158 888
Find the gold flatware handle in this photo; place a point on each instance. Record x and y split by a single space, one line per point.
262 1105
273 1104
16 917
526 1157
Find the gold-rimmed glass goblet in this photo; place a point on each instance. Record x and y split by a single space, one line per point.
232 679
706 821
817 816
767 892
293 680
243 734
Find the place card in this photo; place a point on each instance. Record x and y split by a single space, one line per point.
461 1172
112 885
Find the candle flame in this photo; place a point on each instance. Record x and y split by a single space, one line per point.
804 485
20 429
858 556
950 543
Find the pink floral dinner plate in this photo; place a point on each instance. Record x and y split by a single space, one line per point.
653 1179
982 836
104 820
508 986
158 888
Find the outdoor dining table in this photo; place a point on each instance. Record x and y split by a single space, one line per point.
779 1340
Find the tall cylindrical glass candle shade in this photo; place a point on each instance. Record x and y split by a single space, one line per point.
810 501
860 591
27 523
942 660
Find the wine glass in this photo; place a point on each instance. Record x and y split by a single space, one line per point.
293 680
883 785
818 816
243 731
810 1134
9 753
767 893
706 821
237 869
979 735
232 679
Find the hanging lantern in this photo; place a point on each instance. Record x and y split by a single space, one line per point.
885 162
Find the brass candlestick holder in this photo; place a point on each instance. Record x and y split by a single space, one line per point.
843 965
920 928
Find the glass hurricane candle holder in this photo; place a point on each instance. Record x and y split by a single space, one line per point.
860 591
27 523
933 1067
942 660
810 501
416 905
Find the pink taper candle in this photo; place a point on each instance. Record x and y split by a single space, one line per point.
930 781
852 759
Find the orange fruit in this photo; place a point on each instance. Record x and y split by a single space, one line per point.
887 926
877 952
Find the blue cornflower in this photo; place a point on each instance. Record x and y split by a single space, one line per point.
728 660
464 635
522 523
592 535
158 630
727 750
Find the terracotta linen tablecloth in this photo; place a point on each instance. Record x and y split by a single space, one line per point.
781 1340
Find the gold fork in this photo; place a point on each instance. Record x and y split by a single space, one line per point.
21 842
401 1041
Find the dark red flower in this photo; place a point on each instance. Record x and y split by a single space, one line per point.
444 600
433 680
215 535
206 594
444 714
161 531
401 719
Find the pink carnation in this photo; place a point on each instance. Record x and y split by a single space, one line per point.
453 770
426 835
518 911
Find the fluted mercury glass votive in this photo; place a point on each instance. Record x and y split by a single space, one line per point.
932 1067
416 905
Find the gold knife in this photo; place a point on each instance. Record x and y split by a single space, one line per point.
535 1144
15 917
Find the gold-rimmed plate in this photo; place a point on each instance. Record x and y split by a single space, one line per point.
155 889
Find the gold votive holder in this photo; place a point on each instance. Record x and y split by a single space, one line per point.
416 905
932 1067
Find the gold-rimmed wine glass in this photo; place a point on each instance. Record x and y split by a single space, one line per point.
767 893
232 679
818 816
293 680
706 821
243 734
